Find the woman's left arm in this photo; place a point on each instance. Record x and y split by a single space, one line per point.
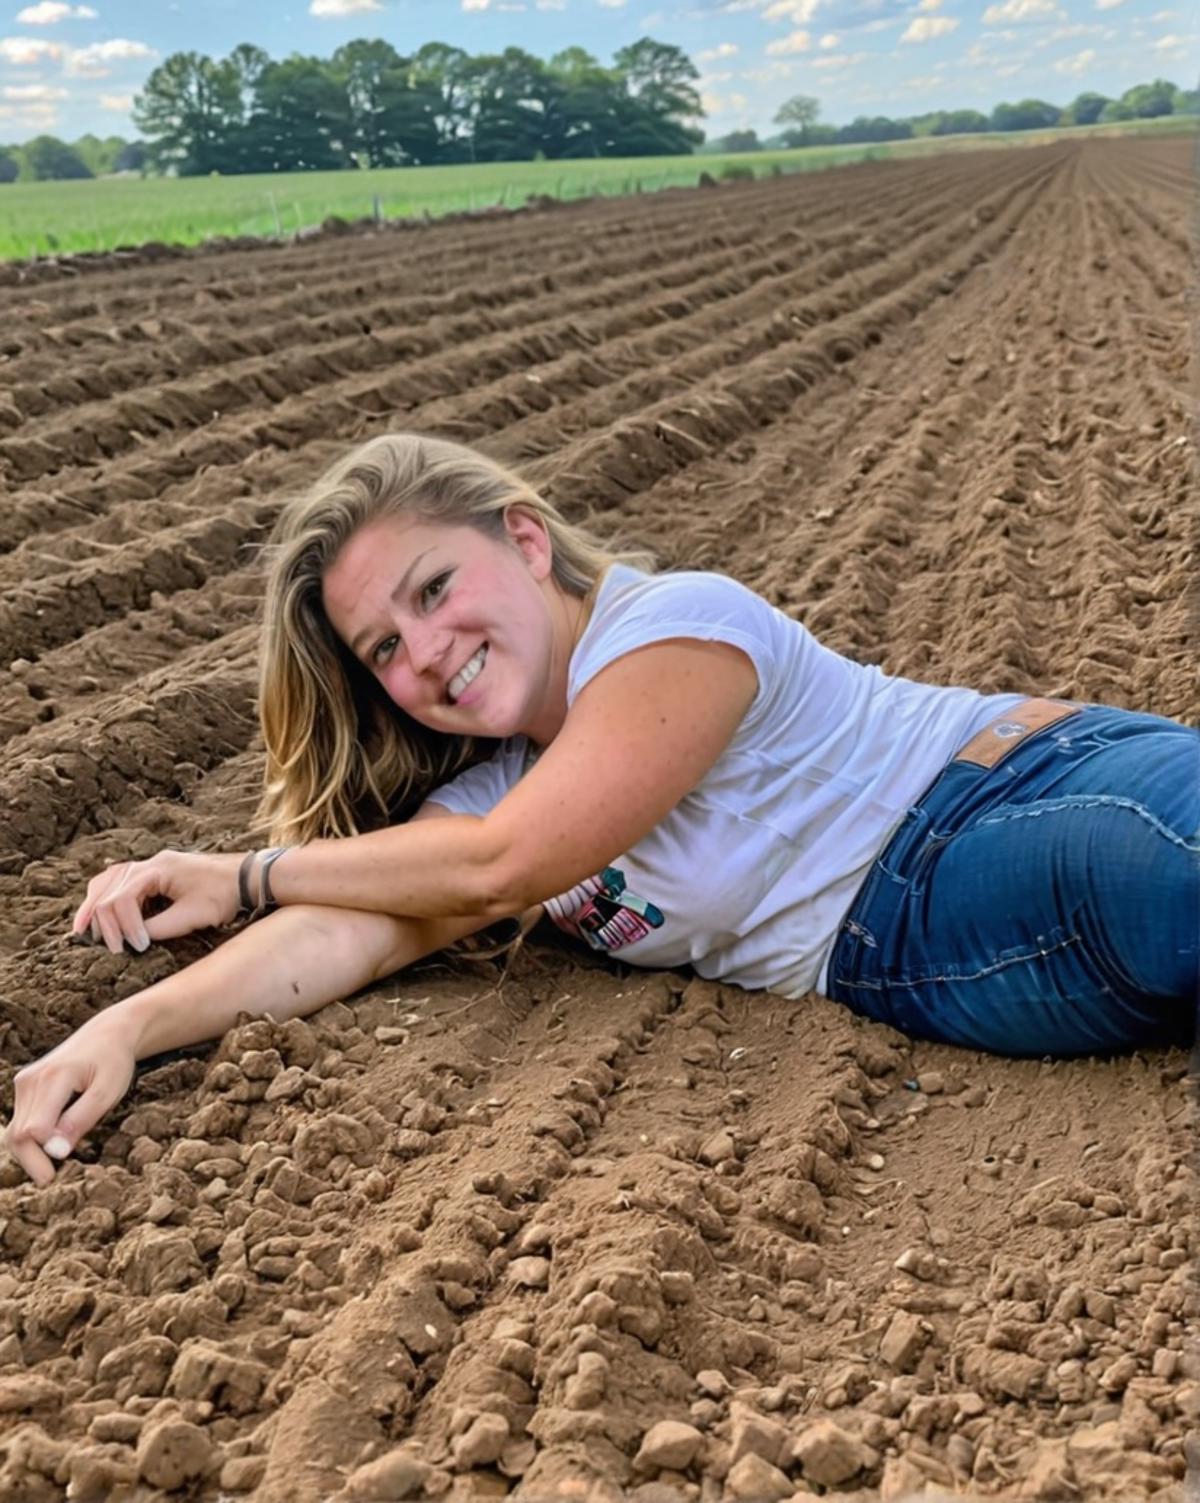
640 736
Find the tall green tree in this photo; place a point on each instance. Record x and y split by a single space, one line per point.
48 159
660 76
875 128
190 108
99 153
1149 100
515 99
447 72
393 105
798 115
588 105
1028 114
660 81
132 157
10 168
301 121
1085 109
959 123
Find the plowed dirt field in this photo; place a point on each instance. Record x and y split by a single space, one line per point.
470 1234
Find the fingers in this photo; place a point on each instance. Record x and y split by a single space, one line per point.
81 1116
184 916
29 1155
34 1137
99 887
112 910
44 1128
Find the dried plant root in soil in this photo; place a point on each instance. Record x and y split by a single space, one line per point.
580 1232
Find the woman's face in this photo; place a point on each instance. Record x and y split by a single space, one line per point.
458 626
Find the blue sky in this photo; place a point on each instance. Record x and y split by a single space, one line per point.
68 68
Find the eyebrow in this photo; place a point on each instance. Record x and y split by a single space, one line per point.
394 596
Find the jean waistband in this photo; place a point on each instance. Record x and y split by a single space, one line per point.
1000 737
965 782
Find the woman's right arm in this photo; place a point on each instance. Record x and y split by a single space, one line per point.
287 965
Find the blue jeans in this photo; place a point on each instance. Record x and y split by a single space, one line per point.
1049 905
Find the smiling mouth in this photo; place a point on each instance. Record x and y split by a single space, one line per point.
466 675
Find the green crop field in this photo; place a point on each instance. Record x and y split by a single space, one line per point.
41 219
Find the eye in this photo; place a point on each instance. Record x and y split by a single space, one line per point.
383 650
435 589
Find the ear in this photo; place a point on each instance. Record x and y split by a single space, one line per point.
527 533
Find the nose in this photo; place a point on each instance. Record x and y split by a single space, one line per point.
425 647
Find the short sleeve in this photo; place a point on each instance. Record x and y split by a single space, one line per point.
478 789
665 607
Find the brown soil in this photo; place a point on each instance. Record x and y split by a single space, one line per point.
472 1233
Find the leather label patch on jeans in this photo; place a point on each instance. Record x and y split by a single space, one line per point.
992 744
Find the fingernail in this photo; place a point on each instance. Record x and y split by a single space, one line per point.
140 942
57 1146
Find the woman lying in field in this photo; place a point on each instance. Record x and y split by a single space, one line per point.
472 713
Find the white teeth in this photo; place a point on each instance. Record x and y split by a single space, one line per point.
467 674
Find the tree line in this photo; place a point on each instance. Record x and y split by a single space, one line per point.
46 158
800 118
370 106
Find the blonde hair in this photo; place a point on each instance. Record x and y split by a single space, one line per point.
340 756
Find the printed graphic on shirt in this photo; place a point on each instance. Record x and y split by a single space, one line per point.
604 912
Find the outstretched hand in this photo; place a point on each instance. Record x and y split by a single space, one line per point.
202 890
94 1066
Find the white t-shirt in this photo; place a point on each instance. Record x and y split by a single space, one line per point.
749 877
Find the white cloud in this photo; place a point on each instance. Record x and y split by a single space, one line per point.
93 61
26 52
49 12
1006 70
32 116
838 60
550 4
121 104
35 93
330 9
723 104
926 28
1022 10
796 41
1076 29
1164 15
723 49
830 39
928 5
771 73
800 12
1108 4
1078 62
1170 43
922 83
613 4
